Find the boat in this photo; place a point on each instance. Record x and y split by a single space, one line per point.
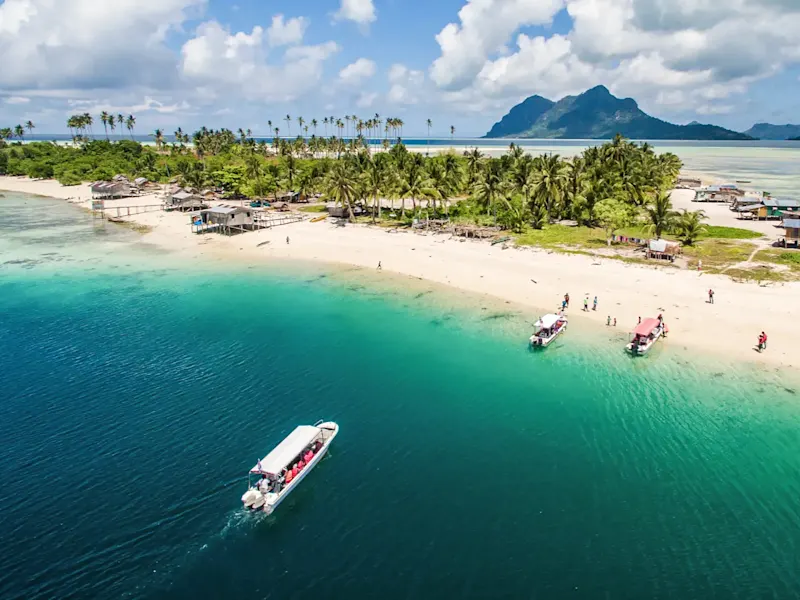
320 218
267 484
548 328
645 335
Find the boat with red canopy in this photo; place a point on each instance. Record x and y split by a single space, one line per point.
645 335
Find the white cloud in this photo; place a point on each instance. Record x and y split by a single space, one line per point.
148 104
86 44
484 29
366 99
359 11
217 61
405 84
677 54
355 72
17 100
285 33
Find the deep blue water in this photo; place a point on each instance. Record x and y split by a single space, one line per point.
135 399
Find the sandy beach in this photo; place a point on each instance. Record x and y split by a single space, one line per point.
525 276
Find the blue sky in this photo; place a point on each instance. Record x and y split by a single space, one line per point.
465 63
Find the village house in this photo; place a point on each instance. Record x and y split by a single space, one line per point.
107 190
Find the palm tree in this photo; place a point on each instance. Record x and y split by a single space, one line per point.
288 120
375 183
487 188
428 123
474 157
661 215
341 185
130 123
6 133
19 131
414 184
158 136
300 121
111 124
104 117
689 226
120 123
30 126
314 125
452 132
549 183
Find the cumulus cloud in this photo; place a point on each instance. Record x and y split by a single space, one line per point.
49 44
284 33
688 54
217 60
358 11
355 72
405 84
484 28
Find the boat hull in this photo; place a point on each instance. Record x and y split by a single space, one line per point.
540 342
272 500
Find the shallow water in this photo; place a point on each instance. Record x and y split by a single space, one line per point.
135 398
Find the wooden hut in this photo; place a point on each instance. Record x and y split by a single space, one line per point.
110 189
663 250
224 219
791 232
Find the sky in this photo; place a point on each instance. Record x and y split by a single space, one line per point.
460 63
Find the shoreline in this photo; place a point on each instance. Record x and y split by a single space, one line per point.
530 278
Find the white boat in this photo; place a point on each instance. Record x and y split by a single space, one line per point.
548 328
277 474
645 335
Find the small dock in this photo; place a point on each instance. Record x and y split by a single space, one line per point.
269 220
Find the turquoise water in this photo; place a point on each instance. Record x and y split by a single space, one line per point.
137 395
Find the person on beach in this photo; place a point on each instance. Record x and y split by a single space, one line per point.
566 300
379 266
640 320
594 305
608 321
615 321
711 296
762 341
287 239
699 265
586 304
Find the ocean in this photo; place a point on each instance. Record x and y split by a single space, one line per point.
138 390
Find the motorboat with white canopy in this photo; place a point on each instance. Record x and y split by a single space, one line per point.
548 328
279 472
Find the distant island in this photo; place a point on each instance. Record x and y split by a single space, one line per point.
768 131
797 139
597 114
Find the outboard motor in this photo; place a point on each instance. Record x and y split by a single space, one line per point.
250 497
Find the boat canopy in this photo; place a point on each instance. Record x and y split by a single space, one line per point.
646 327
547 321
285 452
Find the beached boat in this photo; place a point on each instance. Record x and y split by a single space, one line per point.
548 328
318 219
281 471
645 335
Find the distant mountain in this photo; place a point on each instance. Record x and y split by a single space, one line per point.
768 131
596 114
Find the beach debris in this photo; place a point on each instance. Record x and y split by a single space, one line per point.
262 244
534 281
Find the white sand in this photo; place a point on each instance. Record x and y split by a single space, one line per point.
625 291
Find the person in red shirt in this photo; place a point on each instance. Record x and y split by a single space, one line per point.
309 455
289 475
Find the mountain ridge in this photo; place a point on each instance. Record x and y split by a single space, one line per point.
768 131
597 114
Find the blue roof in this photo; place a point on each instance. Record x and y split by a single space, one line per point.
781 202
791 223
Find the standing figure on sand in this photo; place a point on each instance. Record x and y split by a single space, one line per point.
762 342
